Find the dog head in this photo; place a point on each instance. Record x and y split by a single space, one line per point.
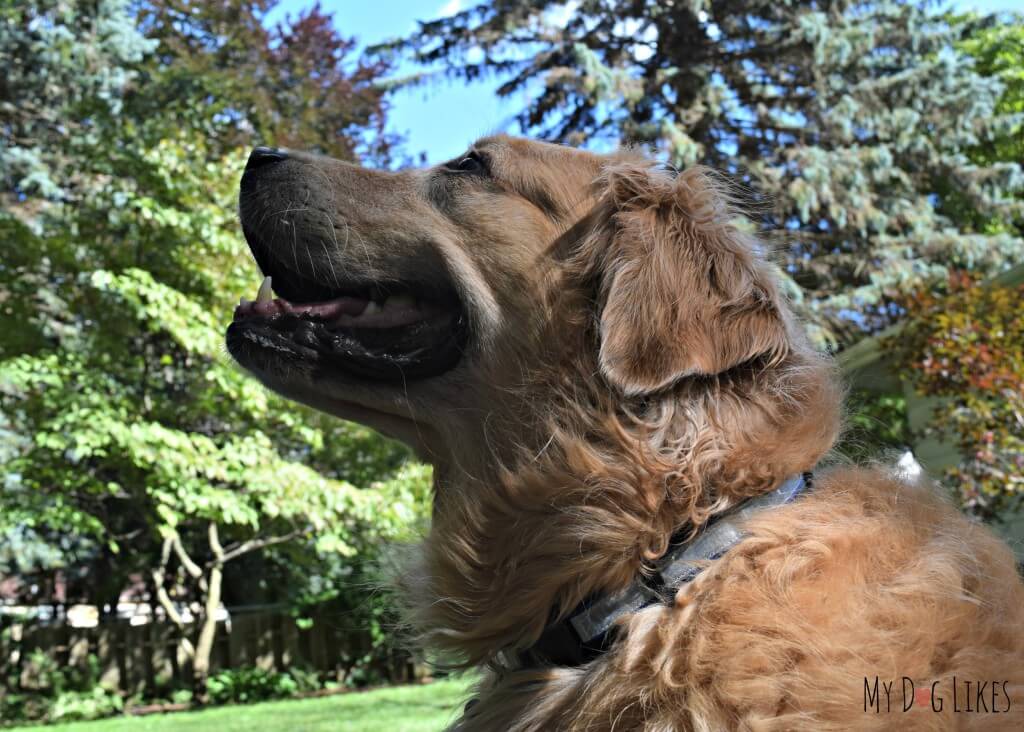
405 300
426 303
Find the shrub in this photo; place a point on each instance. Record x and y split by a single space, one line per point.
247 685
966 346
81 705
59 695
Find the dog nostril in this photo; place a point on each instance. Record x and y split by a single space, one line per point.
264 156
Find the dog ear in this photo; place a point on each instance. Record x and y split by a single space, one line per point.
682 287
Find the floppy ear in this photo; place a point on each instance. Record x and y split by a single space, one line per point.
683 290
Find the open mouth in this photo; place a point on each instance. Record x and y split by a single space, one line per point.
393 332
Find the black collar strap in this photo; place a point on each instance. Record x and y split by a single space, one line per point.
586 632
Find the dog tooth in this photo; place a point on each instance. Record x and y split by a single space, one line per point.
371 309
264 294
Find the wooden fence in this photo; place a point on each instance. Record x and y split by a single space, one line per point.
147 658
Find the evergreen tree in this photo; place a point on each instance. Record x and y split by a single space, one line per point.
996 44
66 67
848 122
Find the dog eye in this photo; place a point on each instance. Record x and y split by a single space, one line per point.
472 163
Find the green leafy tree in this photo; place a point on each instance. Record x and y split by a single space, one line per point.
847 121
123 425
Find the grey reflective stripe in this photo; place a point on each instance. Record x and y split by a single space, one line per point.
601 616
783 494
682 564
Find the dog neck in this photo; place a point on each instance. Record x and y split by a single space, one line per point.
588 630
601 496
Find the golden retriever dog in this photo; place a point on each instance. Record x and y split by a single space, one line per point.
594 354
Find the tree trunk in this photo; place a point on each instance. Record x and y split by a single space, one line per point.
210 585
185 649
207 635
208 631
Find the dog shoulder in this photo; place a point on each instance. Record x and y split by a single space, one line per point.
865 577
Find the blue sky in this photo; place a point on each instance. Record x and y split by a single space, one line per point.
441 119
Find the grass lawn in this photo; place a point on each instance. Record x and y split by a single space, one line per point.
425 708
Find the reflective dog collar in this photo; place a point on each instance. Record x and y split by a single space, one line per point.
586 632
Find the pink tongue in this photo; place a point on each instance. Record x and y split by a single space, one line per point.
340 312
323 310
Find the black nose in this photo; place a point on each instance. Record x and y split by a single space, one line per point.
264 156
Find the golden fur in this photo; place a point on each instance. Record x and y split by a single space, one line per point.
634 370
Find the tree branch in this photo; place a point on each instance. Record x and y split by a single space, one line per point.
257 544
159 576
215 545
194 570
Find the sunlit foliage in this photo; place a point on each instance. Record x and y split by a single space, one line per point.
966 346
131 447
